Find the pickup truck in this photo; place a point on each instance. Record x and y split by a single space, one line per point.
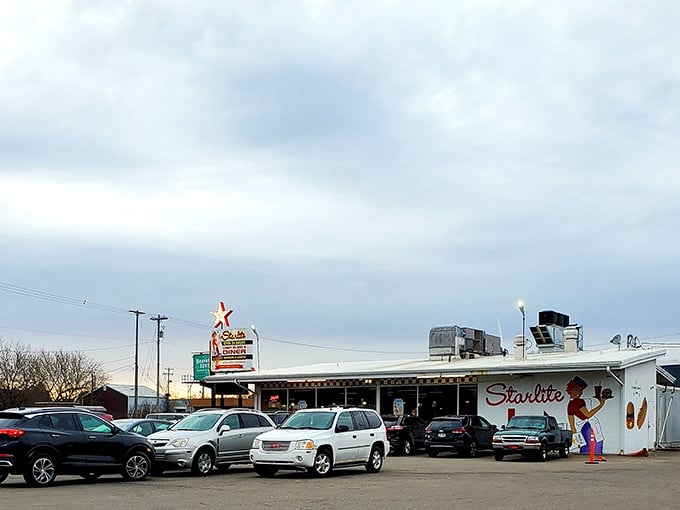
531 436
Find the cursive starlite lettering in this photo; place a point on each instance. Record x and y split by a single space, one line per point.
500 393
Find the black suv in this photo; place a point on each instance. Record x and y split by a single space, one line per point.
405 433
40 443
463 434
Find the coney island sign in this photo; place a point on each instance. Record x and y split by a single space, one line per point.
231 349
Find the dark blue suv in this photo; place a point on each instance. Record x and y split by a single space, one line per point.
40 443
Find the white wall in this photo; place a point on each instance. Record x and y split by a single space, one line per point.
546 393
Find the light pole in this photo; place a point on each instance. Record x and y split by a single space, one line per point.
258 346
520 305
137 314
158 318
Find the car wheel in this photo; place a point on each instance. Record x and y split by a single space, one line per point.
3 476
543 453
90 476
407 448
472 449
498 455
375 460
137 467
203 463
432 453
265 471
564 449
41 471
323 463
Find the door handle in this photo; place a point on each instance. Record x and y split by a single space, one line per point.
92 437
372 434
354 437
55 435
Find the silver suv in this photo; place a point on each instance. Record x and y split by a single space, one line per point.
319 440
208 439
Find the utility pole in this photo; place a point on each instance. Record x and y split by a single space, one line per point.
168 373
158 319
137 314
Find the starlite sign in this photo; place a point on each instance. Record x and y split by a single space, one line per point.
231 349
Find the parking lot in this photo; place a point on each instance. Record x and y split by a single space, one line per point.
418 481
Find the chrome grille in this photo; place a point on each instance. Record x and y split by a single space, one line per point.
275 446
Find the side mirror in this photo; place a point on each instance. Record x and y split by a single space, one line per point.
342 428
224 428
502 427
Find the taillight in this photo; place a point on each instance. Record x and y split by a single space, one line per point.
428 430
458 431
13 433
395 427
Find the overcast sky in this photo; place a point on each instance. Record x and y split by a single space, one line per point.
344 175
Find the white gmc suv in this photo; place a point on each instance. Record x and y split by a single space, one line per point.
320 440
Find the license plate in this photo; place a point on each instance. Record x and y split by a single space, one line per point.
513 447
442 434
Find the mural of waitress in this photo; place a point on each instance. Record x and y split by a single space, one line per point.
581 419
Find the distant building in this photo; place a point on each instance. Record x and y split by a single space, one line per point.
119 400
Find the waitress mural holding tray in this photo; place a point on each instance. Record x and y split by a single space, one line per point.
581 419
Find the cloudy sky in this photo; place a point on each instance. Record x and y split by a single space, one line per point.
344 175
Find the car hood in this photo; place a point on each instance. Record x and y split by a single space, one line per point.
293 434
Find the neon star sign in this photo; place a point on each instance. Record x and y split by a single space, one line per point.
221 315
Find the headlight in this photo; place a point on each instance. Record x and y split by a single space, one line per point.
496 439
180 443
533 439
256 444
305 444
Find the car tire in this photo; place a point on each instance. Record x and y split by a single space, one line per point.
265 471
323 463
375 460
90 476
564 449
3 476
137 467
498 455
432 453
472 449
407 447
203 462
40 471
543 452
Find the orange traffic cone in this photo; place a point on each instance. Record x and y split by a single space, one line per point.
641 453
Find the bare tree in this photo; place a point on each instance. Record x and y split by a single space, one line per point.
19 384
28 376
68 375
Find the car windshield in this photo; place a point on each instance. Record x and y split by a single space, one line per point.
446 424
526 422
316 420
197 422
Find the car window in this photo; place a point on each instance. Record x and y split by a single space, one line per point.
346 419
374 420
249 421
474 422
198 422
315 420
446 424
360 420
389 420
161 425
143 428
232 421
61 421
94 424
263 421
483 423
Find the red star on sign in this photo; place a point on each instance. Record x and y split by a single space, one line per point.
221 315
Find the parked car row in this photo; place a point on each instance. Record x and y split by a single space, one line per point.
40 443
